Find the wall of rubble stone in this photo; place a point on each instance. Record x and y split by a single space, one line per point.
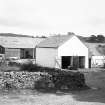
37 80
19 80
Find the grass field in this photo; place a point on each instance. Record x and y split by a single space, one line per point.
95 78
28 97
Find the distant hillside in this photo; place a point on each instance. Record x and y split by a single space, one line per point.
90 39
93 39
14 35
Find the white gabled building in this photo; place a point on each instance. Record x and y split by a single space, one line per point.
61 52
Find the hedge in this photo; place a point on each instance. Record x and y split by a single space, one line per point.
62 80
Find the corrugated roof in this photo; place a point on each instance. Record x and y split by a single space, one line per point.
19 42
54 41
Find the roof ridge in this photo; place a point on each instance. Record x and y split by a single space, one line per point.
54 41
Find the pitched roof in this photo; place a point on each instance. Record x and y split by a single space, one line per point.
54 41
19 42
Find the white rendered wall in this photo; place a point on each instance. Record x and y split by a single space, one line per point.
74 47
46 56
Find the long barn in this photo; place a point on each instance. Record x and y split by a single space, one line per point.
61 52
22 47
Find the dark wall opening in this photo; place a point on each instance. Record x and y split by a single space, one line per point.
66 62
89 62
74 61
81 62
26 53
2 50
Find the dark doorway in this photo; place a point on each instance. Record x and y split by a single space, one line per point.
74 61
89 62
81 62
66 61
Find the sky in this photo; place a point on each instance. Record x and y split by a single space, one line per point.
48 17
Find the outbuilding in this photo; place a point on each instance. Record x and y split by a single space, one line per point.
62 51
19 46
96 54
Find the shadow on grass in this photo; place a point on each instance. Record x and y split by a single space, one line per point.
91 95
61 91
83 95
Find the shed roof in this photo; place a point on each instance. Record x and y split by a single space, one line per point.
19 42
54 41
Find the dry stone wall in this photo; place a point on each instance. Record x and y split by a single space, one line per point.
19 80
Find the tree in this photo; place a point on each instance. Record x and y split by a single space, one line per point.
71 33
100 38
43 36
93 38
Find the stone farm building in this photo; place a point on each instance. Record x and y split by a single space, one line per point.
61 52
19 46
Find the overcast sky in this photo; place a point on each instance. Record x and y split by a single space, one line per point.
44 17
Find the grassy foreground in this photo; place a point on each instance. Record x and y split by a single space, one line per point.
94 96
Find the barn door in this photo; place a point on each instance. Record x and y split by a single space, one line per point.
66 61
89 62
81 61
75 61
